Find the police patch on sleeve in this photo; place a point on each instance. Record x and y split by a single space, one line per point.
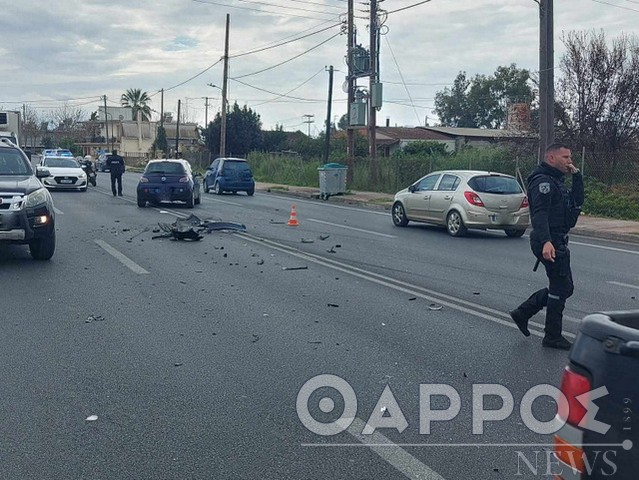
544 187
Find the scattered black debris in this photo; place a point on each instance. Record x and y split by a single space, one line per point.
316 343
338 246
178 364
323 237
435 306
307 240
475 293
331 250
332 305
192 227
295 268
633 298
182 282
412 298
260 261
254 255
465 376
256 338
156 230
94 318
276 222
225 255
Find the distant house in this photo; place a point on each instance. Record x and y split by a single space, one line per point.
482 137
136 139
190 138
391 139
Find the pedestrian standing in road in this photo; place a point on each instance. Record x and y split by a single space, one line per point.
554 210
115 163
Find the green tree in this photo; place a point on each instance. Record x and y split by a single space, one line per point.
160 141
274 140
138 101
482 101
243 132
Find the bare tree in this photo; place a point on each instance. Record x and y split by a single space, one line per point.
69 122
31 126
598 94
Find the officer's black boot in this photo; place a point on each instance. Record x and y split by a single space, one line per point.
530 307
554 315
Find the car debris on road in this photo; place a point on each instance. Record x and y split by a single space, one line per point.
192 228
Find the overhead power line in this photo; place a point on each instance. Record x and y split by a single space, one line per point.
618 6
186 81
409 6
290 59
284 43
284 95
211 2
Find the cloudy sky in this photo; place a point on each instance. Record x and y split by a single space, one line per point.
71 52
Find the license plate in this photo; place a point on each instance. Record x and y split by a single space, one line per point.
66 180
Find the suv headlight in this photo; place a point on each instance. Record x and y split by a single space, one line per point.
36 198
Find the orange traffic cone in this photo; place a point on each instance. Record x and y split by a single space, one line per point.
292 221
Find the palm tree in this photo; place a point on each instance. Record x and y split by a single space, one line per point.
138 101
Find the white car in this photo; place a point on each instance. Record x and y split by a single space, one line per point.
464 199
65 174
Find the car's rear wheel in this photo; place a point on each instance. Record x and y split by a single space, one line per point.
141 203
198 199
250 192
42 248
399 215
217 189
191 201
206 186
455 224
515 233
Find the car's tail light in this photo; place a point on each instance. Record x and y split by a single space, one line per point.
524 203
184 179
569 454
473 199
144 180
573 385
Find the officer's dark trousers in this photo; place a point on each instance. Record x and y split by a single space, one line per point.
116 178
559 289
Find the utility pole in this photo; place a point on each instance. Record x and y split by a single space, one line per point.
372 111
177 131
162 109
308 121
350 133
546 78
327 143
224 87
106 123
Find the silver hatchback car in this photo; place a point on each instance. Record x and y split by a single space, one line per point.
463 199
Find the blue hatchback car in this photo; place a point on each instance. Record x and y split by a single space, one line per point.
169 181
229 175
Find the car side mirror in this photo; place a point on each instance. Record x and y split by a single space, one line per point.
412 189
42 172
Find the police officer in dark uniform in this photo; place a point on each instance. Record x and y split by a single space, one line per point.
115 163
554 210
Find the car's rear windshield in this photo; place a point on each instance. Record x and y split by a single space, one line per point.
12 163
165 168
61 163
494 184
236 166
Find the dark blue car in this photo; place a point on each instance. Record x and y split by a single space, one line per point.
229 175
169 181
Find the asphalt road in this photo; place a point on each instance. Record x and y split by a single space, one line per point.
192 354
